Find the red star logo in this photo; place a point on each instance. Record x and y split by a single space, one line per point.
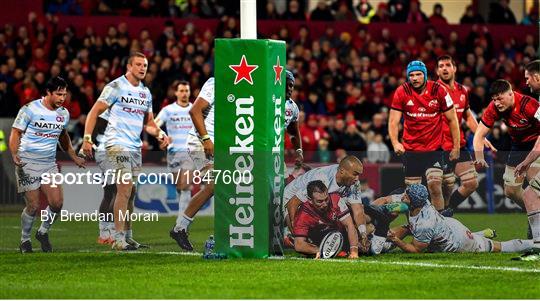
243 71
277 70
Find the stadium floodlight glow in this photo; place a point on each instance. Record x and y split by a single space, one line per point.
248 19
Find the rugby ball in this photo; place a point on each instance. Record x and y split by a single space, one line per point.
331 244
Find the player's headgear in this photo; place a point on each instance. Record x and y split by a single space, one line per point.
418 195
417 66
290 75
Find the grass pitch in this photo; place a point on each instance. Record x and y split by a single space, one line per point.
79 268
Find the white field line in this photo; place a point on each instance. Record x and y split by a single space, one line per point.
358 261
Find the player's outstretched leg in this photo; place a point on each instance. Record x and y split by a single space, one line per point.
55 199
106 227
129 230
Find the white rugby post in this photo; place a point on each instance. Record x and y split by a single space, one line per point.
248 19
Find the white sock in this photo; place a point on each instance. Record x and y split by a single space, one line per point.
111 229
516 245
46 224
183 197
534 221
184 223
129 233
120 236
103 229
26 225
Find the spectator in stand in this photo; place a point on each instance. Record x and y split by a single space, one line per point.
381 15
399 10
500 13
416 15
146 8
532 17
353 141
364 11
437 17
270 12
471 16
294 12
377 151
343 13
322 12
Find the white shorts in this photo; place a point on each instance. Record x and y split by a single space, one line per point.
196 153
179 160
29 176
116 158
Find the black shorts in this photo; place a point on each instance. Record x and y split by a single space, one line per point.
450 166
415 164
518 153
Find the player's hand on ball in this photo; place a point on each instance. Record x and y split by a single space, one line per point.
399 149
391 236
363 243
454 154
208 146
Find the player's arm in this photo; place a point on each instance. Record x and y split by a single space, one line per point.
453 124
472 124
65 144
97 109
294 133
14 143
414 247
197 117
301 245
393 130
151 127
531 157
292 208
478 144
352 235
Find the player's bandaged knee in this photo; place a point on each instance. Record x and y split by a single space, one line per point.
434 175
468 176
413 180
449 179
509 177
535 183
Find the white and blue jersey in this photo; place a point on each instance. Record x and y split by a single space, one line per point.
41 129
207 93
443 234
128 106
326 174
291 112
178 123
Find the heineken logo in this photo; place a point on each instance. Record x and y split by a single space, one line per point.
243 71
277 72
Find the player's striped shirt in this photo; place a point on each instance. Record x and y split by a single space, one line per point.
127 105
291 112
327 174
178 123
207 93
441 233
41 129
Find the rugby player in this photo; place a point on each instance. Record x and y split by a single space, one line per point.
339 178
320 214
462 167
435 233
422 103
36 131
130 107
178 124
531 194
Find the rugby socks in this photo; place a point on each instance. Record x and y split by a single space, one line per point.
456 199
111 228
129 234
26 225
103 229
516 245
183 197
534 222
183 224
120 236
47 222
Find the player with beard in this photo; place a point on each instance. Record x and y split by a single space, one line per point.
462 167
422 104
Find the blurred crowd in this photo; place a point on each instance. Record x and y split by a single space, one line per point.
344 81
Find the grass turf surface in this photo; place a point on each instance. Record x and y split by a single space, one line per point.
80 268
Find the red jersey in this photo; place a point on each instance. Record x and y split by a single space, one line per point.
422 114
308 217
522 120
460 98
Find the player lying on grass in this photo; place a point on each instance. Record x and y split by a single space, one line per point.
435 233
319 215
